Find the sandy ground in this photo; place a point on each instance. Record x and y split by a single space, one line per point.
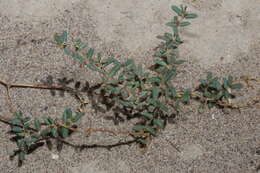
225 39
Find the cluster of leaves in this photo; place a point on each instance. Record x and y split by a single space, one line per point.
128 86
147 93
30 133
214 92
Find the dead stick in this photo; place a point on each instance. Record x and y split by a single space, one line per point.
11 85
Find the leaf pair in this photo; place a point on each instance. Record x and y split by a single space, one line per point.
182 11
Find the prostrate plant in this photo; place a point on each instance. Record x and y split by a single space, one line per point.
144 93
148 93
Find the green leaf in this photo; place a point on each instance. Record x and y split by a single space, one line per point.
121 76
178 62
172 73
16 129
21 134
64 132
29 141
99 56
114 90
79 45
124 94
171 24
92 67
171 60
225 82
236 86
108 61
166 36
127 104
46 121
207 94
203 82
37 124
57 39
161 70
186 96
141 105
90 53
61 39
150 130
21 143
139 71
77 117
64 37
178 39
147 115
226 94
171 92
19 114
27 126
177 10
68 51
159 123
155 92
159 53
130 76
33 140
36 135
143 94
151 108
77 57
128 62
153 102
16 121
114 70
51 121
138 127
67 114
173 52
142 85
45 132
73 54
26 119
160 62
182 24
163 107
191 16
54 132
154 80
171 46
215 84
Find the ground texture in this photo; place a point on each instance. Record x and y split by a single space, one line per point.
225 39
